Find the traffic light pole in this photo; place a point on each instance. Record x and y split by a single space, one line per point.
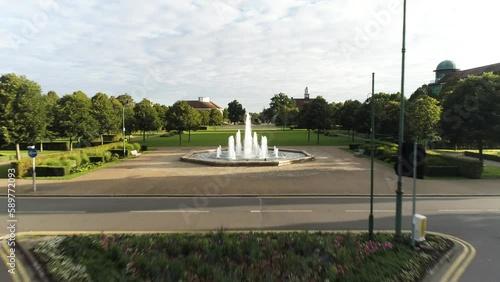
399 191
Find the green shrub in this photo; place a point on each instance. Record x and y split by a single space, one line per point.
52 162
85 158
441 171
47 170
130 147
68 162
467 168
380 151
137 146
144 148
77 158
96 159
354 146
107 156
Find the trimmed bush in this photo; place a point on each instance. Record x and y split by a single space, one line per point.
47 170
77 158
467 168
107 156
144 148
119 152
24 165
55 146
441 171
137 146
96 159
354 146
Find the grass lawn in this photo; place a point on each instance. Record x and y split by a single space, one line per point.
491 172
274 138
241 256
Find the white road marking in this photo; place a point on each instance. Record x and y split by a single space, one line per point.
470 210
369 210
52 212
170 211
261 211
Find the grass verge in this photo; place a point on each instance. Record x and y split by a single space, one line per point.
274 138
220 256
491 172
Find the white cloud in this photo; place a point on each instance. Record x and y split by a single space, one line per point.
244 50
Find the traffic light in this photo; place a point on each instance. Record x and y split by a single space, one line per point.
408 155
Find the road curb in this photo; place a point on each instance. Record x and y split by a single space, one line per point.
19 195
33 264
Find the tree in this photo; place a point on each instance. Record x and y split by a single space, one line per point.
51 100
225 115
305 119
423 116
103 112
284 108
205 116
348 115
471 112
146 117
74 118
193 121
235 112
215 118
321 115
161 110
267 115
126 101
178 116
424 90
23 111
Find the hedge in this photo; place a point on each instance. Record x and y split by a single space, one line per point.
23 166
119 152
485 156
96 159
441 171
467 168
45 170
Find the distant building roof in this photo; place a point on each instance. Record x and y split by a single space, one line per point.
203 103
300 102
495 68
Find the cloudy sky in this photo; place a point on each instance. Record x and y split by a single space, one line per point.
246 50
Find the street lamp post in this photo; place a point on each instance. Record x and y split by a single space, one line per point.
123 137
399 191
370 218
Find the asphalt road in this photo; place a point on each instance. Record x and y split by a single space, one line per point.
475 220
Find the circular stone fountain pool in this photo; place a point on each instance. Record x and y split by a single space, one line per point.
247 153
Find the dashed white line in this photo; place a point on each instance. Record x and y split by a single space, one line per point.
470 210
170 211
49 212
369 210
281 211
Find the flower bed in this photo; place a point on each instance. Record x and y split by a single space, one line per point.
238 257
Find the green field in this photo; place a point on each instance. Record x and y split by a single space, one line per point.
491 172
274 138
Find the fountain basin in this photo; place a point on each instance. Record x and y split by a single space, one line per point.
209 157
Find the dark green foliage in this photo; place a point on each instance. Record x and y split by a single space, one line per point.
119 152
87 166
45 170
236 112
96 159
297 256
441 171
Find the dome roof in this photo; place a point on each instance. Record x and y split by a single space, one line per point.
446 65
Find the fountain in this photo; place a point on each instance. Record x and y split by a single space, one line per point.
250 153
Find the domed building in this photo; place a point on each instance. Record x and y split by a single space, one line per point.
447 71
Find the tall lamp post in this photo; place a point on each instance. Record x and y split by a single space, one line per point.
399 191
123 137
370 218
